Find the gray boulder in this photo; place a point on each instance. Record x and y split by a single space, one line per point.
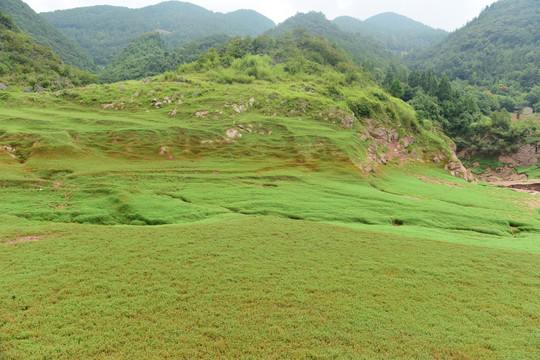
3 86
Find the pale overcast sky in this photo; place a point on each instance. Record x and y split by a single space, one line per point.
444 14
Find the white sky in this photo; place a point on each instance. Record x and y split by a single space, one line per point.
444 14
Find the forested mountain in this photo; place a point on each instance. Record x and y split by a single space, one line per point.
365 50
144 56
497 50
23 62
397 32
147 55
46 34
104 31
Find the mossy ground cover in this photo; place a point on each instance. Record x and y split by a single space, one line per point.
160 237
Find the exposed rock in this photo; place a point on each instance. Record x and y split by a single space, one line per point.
38 89
202 114
147 80
121 88
438 159
363 137
233 133
456 168
181 80
239 108
251 101
348 121
408 141
379 133
27 90
156 103
3 86
107 106
173 113
526 156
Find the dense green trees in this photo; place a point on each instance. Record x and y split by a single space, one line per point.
148 55
476 120
23 62
46 34
104 31
499 50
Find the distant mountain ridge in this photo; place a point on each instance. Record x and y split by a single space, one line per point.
104 31
46 34
365 50
501 46
397 32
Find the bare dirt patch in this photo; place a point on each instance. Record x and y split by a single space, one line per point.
30 238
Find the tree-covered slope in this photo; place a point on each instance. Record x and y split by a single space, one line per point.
147 55
144 56
46 34
501 46
23 62
397 32
365 50
104 31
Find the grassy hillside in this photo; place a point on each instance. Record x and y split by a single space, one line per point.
47 35
241 208
397 32
23 62
500 47
104 31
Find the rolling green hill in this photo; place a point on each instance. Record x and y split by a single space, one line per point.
23 62
269 200
104 31
46 34
397 32
500 47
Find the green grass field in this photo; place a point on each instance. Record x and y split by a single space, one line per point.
137 233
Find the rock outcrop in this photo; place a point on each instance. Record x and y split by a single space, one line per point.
525 156
389 145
